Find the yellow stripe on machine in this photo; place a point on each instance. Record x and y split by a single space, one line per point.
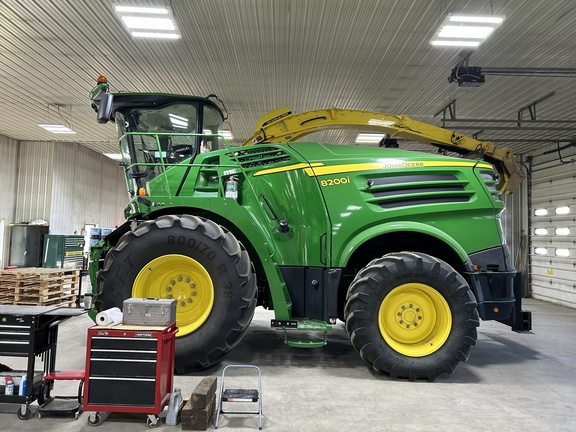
339 169
319 169
287 168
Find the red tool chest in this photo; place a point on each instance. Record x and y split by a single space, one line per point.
129 369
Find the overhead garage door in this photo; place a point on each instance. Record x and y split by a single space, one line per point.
553 232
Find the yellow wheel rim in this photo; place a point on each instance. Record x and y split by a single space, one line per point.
415 320
180 278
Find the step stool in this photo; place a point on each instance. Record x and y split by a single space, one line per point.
46 402
240 395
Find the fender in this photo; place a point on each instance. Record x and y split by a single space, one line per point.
394 227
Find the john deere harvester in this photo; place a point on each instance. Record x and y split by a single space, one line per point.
406 248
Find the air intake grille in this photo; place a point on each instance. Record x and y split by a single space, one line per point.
257 156
490 179
413 190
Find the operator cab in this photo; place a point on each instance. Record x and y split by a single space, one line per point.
160 131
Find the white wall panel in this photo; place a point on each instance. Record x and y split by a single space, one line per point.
88 189
68 185
8 174
34 181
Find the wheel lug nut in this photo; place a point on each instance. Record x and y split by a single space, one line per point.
192 285
403 307
169 296
187 280
407 326
189 300
411 305
179 278
182 303
415 324
173 282
399 313
168 289
419 317
417 309
401 322
193 293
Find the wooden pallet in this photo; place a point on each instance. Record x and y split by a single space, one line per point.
39 286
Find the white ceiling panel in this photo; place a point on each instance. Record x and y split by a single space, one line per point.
258 55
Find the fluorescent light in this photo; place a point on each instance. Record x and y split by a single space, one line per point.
156 35
145 23
467 32
57 129
476 19
455 43
115 156
178 122
369 138
457 30
148 22
142 10
226 134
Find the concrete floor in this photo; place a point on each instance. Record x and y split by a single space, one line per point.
512 382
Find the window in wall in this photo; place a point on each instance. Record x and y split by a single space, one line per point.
540 212
541 231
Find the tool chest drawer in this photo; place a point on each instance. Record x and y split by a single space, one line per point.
139 343
122 391
122 368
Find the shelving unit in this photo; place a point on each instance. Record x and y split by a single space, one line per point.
31 332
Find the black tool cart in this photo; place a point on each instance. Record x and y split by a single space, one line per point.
30 331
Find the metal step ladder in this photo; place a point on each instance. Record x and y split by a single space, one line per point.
228 395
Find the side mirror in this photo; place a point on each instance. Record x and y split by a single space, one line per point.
105 107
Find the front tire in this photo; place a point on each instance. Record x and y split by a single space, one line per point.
199 264
411 315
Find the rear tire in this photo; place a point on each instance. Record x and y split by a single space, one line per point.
411 315
198 263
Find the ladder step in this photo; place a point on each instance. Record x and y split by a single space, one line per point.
305 343
240 395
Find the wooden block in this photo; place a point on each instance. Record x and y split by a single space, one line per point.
197 419
203 393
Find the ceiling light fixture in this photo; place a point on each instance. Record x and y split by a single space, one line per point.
148 22
465 30
57 129
226 134
366 138
114 156
178 122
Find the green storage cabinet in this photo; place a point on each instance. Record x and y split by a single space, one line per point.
63 251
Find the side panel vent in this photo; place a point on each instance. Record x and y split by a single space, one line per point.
413 190
257 156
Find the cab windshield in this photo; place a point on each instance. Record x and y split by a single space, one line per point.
153 139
